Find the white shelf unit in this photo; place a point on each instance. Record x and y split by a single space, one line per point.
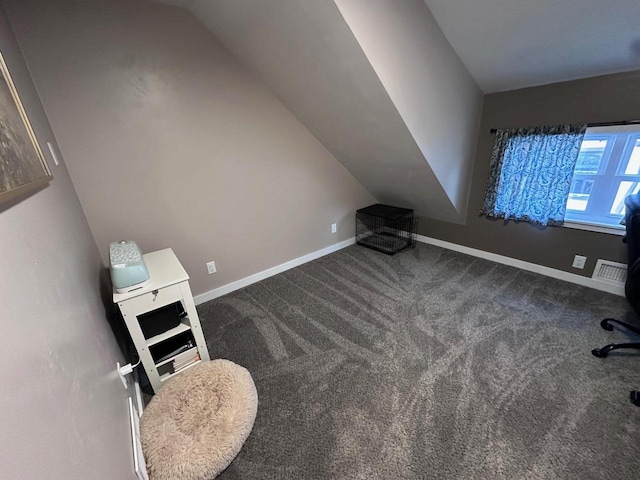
169 284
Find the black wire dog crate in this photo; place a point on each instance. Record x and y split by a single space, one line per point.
385 228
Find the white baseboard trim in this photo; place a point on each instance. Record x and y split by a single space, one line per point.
135 412
243 282
530 267
494 257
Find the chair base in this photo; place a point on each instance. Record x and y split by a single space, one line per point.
606 324
604 351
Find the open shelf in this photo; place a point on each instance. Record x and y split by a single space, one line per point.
193 350
166 376
172 332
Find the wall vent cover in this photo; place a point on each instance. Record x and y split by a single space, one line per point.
610 272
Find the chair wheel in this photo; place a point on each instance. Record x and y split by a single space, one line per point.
597 353
606 325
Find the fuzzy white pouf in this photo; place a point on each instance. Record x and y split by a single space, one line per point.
195 425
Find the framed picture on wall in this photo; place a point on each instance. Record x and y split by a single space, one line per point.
22 164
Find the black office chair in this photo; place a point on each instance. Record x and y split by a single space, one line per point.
632 285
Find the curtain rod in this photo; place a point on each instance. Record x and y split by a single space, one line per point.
601 124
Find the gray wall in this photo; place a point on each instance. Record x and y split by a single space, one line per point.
598 99
439 101
63 410
308 56
170 142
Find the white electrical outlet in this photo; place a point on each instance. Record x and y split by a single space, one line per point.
211 267
121 375
579 261
334 228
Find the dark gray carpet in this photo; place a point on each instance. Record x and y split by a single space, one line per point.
428 364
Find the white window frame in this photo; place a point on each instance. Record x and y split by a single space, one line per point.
620 142
594 227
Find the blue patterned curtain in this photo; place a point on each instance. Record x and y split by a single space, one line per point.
531 172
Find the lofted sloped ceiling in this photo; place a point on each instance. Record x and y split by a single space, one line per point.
429 85
375 81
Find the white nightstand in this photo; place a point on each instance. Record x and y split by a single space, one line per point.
169 284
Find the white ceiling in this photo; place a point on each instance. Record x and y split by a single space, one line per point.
509 44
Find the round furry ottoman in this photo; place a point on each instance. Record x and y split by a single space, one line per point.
196 424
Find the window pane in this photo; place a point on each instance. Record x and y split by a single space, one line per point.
590 157
625 189
579 194
633 167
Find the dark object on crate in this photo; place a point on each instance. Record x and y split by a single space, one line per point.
385 228
160 320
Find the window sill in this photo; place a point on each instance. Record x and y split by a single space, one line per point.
595 228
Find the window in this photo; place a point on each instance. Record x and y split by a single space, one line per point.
607 170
